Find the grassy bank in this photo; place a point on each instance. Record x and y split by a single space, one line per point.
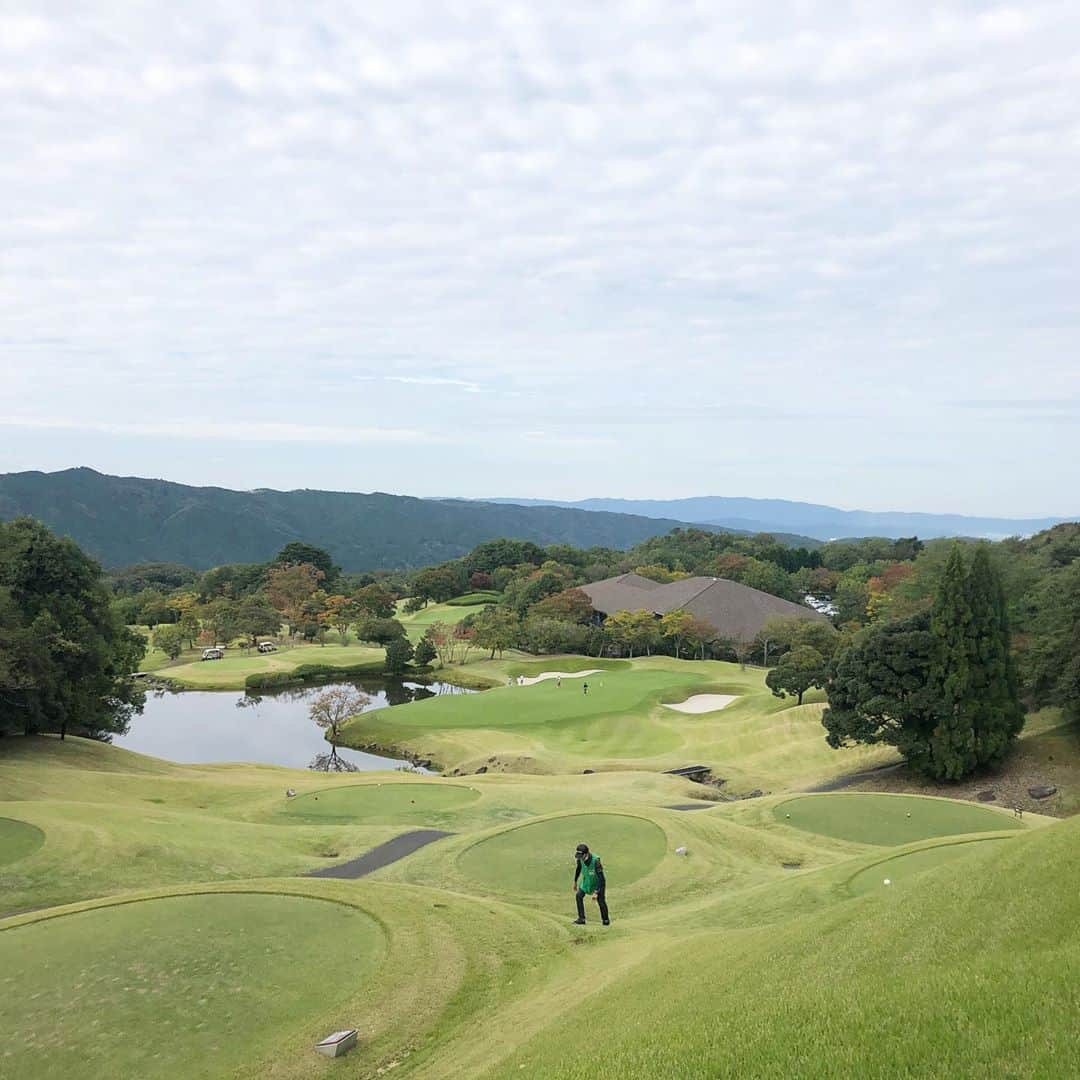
755 937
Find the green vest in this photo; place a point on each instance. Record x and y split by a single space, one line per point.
587 879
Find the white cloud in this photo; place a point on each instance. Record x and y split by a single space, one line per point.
238 431
474 221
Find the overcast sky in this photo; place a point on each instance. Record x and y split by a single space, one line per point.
821 251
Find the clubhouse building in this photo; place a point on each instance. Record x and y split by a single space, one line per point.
736 612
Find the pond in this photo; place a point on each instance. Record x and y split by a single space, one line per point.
270 728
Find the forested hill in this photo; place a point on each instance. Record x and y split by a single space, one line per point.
781 516
125 520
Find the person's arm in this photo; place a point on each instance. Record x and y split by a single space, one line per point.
601 881
577 870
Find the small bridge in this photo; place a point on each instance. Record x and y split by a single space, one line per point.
691 772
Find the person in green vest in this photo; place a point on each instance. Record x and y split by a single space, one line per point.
589 880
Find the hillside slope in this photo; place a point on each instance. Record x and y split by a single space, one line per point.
124 520
962 971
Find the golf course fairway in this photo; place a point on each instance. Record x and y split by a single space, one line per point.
164 921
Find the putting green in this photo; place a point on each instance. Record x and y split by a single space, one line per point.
888 819
539 857
355 801
181 986
902 868
18 839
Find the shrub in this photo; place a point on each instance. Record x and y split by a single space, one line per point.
473 599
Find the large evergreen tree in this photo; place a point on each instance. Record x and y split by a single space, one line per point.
951 752
994 700
65 658
941 688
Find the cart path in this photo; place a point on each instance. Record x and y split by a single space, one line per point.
383 855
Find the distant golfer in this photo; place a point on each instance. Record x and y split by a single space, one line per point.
589 881
558 681
584 687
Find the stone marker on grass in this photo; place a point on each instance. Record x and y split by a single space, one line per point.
340 1042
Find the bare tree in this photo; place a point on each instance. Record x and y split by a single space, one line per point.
330 709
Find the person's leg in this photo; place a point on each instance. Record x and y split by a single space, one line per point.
580 897
601 901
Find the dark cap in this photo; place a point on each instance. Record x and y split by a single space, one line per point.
582 849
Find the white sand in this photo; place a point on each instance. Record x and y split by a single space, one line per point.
702 703
559 675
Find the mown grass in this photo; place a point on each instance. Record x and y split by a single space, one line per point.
18 839
889 819
105 992
461 960
757 741
231 672
964 971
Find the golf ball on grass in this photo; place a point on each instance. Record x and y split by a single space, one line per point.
887 881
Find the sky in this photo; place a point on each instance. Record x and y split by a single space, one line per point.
818 251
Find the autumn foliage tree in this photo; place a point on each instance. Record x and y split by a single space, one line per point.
289 588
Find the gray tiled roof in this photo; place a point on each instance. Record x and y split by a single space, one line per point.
736 611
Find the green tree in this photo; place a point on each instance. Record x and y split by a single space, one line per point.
492 554
255 617
189 628
1051 662
540 635
438 583
340 613
571 605
940 686
66 661
952 749
997 716
298 553
796 672
497 628
877 686
424 653
636 631
375 600
169 639
398 654
380 631
675 626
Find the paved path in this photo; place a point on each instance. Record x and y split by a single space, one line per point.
691 806
383 855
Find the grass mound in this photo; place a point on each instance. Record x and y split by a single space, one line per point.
18 839
888 819
357 801
180 986
902 868
538 858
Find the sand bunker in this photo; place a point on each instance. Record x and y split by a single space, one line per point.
702 703
558 675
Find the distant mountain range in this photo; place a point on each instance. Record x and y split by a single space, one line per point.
809 519
125 520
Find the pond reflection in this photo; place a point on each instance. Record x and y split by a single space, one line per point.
271 727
